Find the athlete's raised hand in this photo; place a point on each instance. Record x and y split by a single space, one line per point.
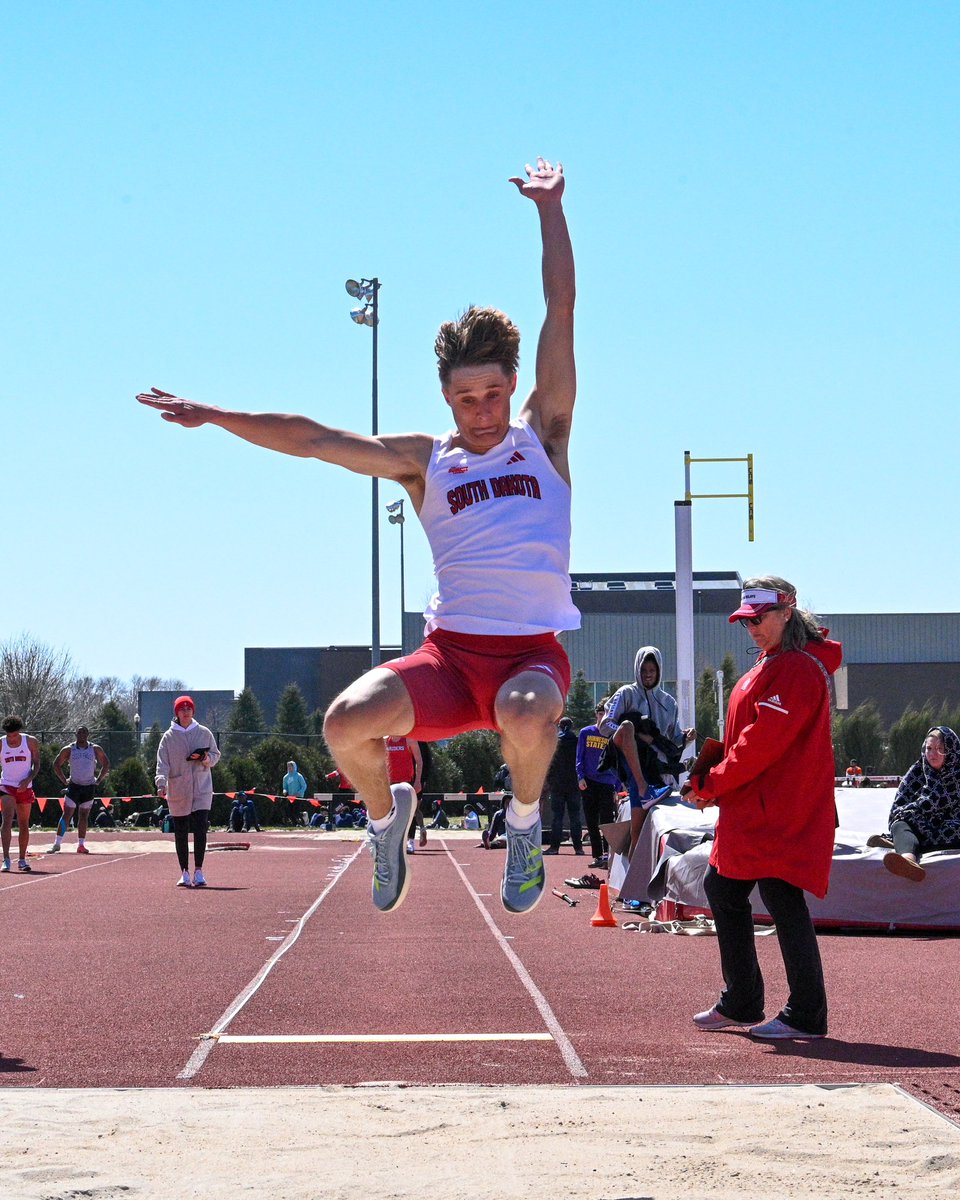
173 408
544 183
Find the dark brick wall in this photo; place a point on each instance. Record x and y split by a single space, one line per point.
321 672
893 686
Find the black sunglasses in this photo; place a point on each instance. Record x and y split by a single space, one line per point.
745 621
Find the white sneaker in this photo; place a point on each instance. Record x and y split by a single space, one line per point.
411 846
198 879
184 880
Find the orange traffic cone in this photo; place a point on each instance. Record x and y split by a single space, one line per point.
603 916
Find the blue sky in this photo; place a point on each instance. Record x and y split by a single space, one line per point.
763 200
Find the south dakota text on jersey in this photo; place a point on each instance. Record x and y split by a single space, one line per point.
477 490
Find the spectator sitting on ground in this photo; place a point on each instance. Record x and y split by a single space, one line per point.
350 817
440 818
926 810
104 818
494 836
243 814
471 818
149 819
854 774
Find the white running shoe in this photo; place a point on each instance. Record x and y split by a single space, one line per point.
411 846
184 880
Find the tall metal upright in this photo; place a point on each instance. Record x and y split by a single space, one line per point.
368 291
375 508
686 691
683 525
396 518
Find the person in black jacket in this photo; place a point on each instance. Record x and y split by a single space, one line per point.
565 789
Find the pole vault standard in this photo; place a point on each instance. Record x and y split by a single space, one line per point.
683 527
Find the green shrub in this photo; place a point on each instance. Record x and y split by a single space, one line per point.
859 735
130 778
906 738
224 779
247 773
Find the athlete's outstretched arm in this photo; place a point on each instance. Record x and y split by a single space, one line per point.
549 407
401 457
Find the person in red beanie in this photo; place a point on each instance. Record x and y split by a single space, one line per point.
186 753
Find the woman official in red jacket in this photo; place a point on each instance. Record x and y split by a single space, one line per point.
774 788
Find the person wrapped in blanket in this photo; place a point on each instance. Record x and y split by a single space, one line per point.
642 721
925 814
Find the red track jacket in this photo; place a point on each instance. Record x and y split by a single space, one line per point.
775 784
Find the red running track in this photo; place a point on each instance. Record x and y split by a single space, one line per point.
113 977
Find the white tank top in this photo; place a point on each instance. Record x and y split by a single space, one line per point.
83 764
499 528
16 761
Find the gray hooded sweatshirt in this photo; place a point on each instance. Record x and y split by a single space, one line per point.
653 702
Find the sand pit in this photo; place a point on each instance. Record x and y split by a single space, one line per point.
464 1143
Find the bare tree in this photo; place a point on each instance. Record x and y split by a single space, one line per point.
35 682
89 695
40 684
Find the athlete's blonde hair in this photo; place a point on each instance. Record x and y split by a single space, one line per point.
478 337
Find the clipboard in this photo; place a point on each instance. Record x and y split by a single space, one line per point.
711 753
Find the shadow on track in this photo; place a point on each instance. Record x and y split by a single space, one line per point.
865 1053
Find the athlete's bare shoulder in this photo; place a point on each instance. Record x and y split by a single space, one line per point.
411 453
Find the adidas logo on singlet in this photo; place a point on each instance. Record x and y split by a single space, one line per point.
515 457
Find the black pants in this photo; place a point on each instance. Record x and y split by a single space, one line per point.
199 822
566 800
417 817
599 808
742 997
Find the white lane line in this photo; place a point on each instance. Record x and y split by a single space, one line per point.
42 877
377 1038
209 1040
564 1045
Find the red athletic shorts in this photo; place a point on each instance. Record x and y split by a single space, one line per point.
22 796
453 679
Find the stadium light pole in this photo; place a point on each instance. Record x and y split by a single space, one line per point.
368 291
396 518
